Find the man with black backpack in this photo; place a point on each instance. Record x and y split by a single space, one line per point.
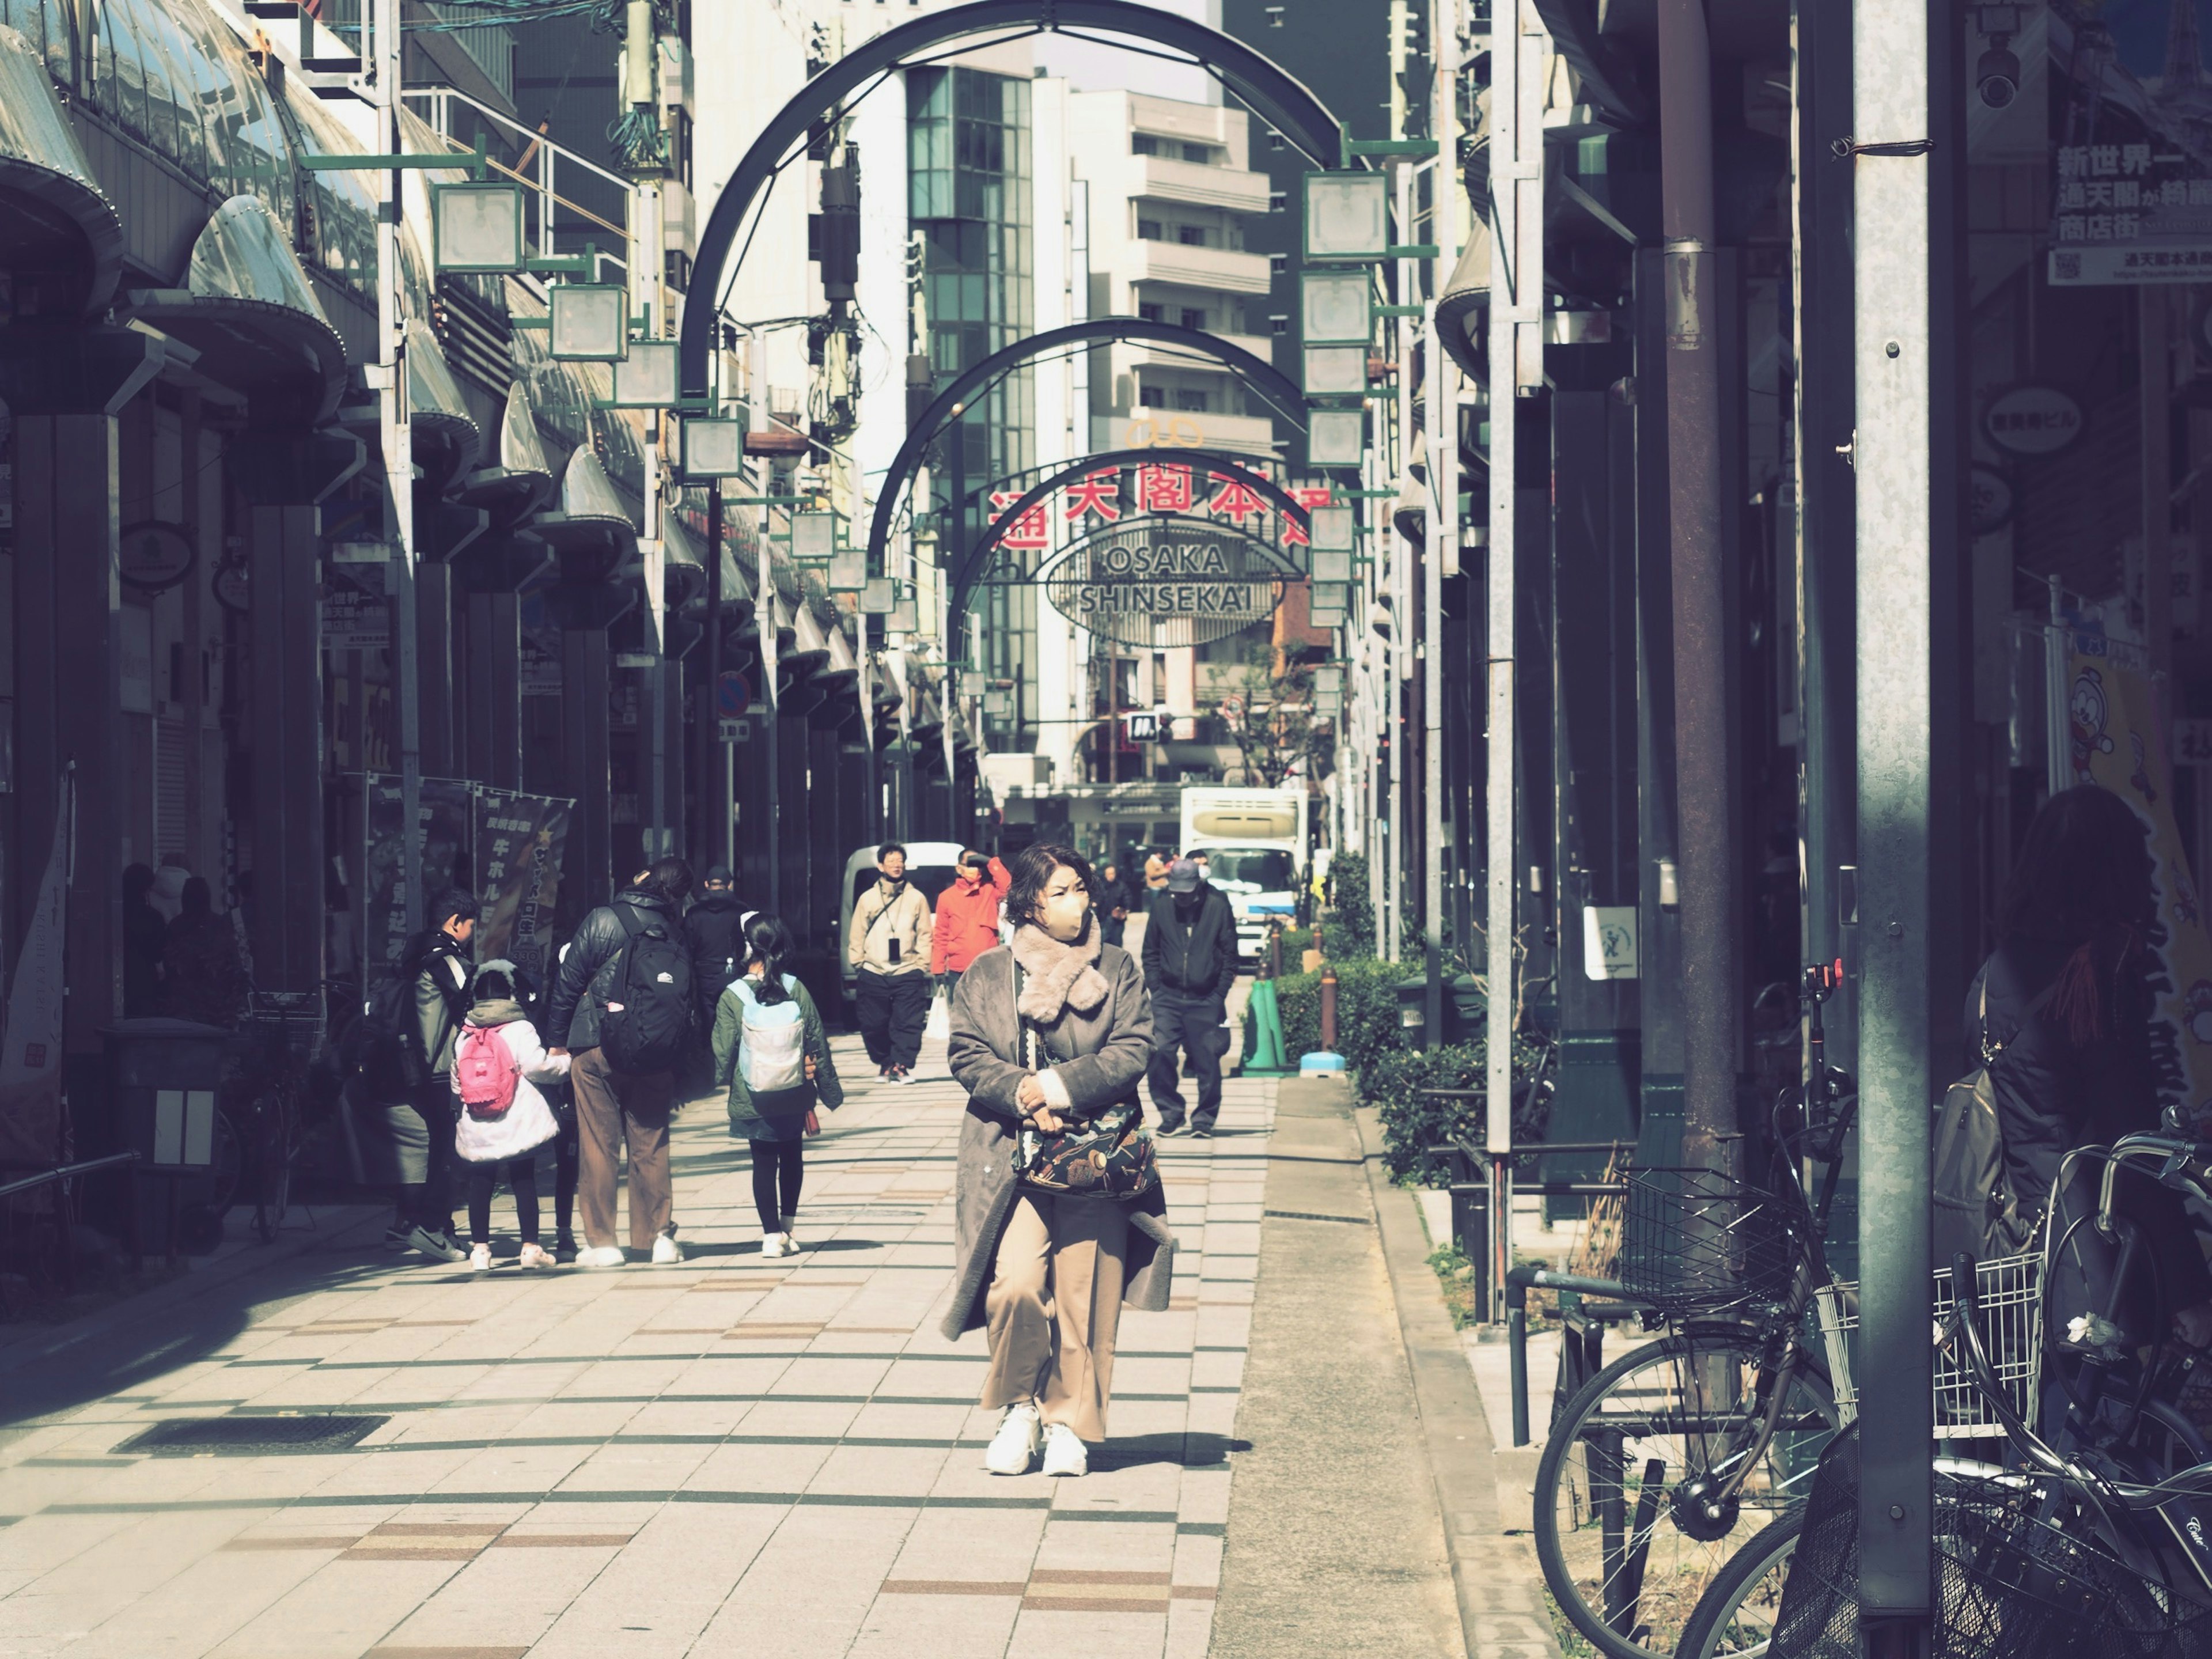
714 928
622 1006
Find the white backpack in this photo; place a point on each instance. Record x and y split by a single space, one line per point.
772 1044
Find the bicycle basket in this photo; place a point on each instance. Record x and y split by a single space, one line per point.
1695 1240
2008 1586
2009 1295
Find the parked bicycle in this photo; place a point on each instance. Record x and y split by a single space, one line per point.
1665 1464
2096 1540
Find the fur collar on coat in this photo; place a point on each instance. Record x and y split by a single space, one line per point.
1059 976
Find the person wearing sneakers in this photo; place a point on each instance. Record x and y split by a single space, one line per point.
502 1117
772 1055
890 944
1051 1029
1190 963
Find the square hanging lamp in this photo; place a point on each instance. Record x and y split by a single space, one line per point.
1332 308
646 379
712 448
1347 216
477 226
1336 437
590 322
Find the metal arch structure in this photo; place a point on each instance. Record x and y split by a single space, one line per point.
1278 387
1213 463
1277 98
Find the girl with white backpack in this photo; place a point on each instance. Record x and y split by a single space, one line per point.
772 1055
503 1119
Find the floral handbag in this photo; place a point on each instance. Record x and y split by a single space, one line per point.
1108 1156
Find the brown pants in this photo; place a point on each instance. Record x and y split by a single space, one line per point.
611 1108
1054 1300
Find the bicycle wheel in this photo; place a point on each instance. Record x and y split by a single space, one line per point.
1627 1545
1735 1617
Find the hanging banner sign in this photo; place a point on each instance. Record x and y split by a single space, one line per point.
1162 582
447 846
520 840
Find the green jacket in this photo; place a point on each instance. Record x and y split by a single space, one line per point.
745 1108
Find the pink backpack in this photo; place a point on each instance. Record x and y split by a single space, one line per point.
485 1071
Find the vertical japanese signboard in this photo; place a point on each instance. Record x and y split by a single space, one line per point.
520 841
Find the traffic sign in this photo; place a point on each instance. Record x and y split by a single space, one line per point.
1143 728
733 694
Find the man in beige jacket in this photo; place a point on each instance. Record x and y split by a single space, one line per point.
890 945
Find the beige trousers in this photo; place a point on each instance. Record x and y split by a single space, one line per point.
1054 1300
614 1108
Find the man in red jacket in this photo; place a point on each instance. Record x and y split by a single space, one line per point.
967 917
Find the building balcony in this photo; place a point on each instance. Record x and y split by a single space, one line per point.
1152 354
1222 271
1170 429
1194 183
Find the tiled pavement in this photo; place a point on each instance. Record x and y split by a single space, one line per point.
730 1457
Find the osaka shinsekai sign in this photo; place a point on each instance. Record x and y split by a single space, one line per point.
1156 556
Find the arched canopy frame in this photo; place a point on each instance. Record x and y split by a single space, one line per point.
1277 387
1229 468
1276 97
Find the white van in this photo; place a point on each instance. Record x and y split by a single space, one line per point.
930 866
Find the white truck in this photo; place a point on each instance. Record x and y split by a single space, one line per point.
1254 842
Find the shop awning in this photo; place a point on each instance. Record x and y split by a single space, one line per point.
591 535
249 311
63 237
446 438
520 479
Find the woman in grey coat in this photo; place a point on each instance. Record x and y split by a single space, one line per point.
1045 1274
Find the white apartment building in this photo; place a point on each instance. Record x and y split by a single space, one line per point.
1170 186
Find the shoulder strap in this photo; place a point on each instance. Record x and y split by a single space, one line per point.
2036 1004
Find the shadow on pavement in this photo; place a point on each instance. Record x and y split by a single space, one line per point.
1189 1451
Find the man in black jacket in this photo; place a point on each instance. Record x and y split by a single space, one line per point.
439 970
1190 963
613 1107
713 929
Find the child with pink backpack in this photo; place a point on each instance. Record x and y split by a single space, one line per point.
503 1119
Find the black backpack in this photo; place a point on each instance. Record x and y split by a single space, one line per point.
646 1023
1976 1206
385 1048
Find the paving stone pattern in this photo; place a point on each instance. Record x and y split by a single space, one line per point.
730 1458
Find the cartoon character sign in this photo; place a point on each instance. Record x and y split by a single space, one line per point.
2087 710
2140 778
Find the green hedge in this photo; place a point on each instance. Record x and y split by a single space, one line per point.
1351 919
1366 1010
1412 1124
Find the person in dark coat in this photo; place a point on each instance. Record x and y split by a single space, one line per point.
615 1109
2068 1014
715 933
1190 963
201 978
436 963
1113 904
145 936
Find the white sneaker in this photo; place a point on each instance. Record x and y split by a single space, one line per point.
1015 1446
601 1256
772 1246
791 1243
1064 1451
479 1258
535 1255
665 1251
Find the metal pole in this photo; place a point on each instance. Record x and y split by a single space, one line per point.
1516 300
764 614
1704 786
713 785
1904 57
1441 380
390 376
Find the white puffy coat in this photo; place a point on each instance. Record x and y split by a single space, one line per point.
527 1124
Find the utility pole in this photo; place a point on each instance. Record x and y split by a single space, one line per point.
1704 786
1517 362
1440 379
390 378
1908 157
714 782
646 165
